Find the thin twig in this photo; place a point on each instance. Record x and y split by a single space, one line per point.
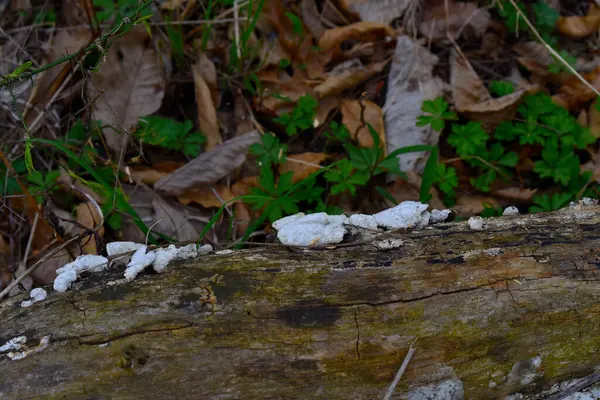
552 51
236 27
392 388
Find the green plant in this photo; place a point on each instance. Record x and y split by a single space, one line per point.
301 117
118 9
170 134
549 203
270 151
501 88
439 114
551 132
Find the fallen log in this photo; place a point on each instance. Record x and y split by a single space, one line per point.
513 308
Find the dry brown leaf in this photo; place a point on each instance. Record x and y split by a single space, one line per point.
382 11
326 106
347 75
464 19
207 112
243 215
579 27
492 112
65 42
173 221
210 166
302 165
311 18
87 215
516 193
411 81
147 175
574 93
536 58
594 120
469 205
206 196
467 88
364 31
208 71
351 117
129 85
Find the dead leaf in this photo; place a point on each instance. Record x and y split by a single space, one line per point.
467 88
574 93
464 19
536 58
207 112
382 11
351 117
207 196
364 31
411 81
469 205
311 18
326 106
129 85
516 193
243 215
88 216
173 221
473 99
579 27
302 165
594 120
210 166
347 75
48 82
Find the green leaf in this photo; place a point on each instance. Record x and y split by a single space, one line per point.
501 88
302 116
270 151
545 17
558 66
430 176
170 134
297 28
467 139
439 114
560 166
547 203
514 21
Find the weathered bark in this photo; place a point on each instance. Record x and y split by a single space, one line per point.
329 324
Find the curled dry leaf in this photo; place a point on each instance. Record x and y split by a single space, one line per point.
88 216
311 18
516 193
594 120
464 19
48 82
207 196
207 112
351 117
210 166
302 165
469 205
473 99
364 31
347 75
579 27
129 85
173 221
573 93
243 215
381 11
326 106
411 81
467 88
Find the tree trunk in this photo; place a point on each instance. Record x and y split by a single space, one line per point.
512 308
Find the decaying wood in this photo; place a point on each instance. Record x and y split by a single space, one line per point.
513 308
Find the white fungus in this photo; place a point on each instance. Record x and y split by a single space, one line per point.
363 221
114 248
158 258
475 223
313 229
37 294
71 271
13 344
509 211
139 260
408 214
388 244
280 223
19 355
439 216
